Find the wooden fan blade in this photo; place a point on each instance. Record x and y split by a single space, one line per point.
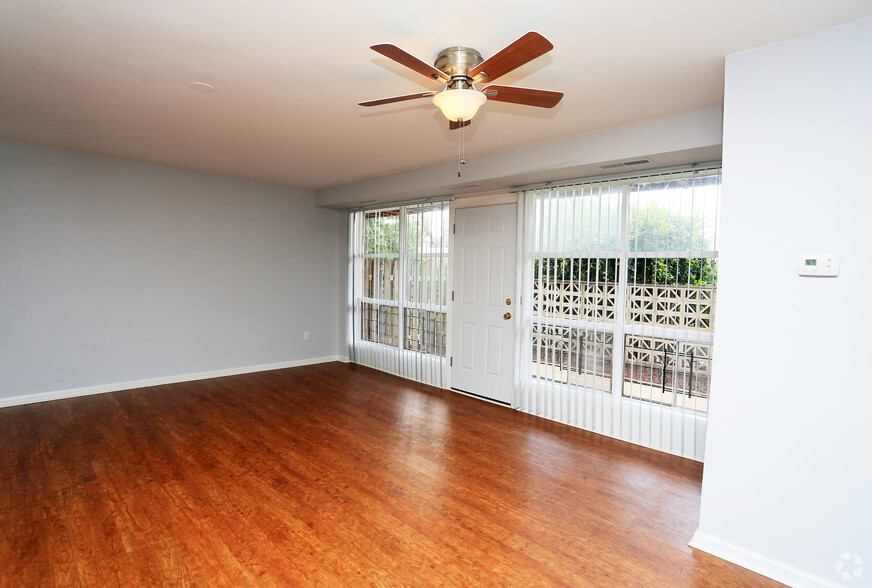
528 96
525 49
453 125
381 101
403 58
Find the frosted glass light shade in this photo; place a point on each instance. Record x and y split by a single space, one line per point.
459 104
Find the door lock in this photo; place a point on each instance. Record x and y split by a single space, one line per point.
507 316
508 301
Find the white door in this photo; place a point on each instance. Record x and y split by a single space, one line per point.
483 327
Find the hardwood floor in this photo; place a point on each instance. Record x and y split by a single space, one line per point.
336 475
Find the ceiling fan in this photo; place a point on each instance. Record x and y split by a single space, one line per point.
461 67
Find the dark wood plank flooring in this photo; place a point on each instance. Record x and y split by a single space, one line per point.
335 475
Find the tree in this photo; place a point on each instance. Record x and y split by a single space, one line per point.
381 232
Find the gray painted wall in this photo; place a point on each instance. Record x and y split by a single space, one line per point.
116 271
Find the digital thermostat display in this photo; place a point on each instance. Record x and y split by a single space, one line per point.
823 265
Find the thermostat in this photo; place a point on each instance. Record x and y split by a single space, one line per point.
824 265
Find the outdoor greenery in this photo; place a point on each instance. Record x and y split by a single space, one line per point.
382 232
652 229
426 230
660 270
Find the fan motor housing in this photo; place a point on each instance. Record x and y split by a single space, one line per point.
456 62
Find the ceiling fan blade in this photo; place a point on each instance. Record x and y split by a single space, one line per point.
525 49
454 125
403 58
528 96
381 101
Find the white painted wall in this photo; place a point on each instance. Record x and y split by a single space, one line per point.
692 137
787 486
113 271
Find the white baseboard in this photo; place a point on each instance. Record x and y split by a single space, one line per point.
756 562
102 389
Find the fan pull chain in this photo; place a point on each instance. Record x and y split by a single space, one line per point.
461 160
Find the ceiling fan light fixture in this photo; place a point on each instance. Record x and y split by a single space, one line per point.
459 104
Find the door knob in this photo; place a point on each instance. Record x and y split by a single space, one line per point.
507 316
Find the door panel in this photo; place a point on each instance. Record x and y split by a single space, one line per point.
469 265
485 280
494 351
467 346
497 270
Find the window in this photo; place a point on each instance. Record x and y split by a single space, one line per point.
400 257
622 276
576 250
671 282
379 300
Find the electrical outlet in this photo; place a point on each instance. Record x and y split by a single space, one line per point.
305 335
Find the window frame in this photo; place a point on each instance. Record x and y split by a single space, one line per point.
400 353
620 327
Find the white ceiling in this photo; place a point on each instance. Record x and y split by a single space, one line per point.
112 77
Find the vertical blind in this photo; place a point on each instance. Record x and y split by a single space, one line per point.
621 277
399 290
